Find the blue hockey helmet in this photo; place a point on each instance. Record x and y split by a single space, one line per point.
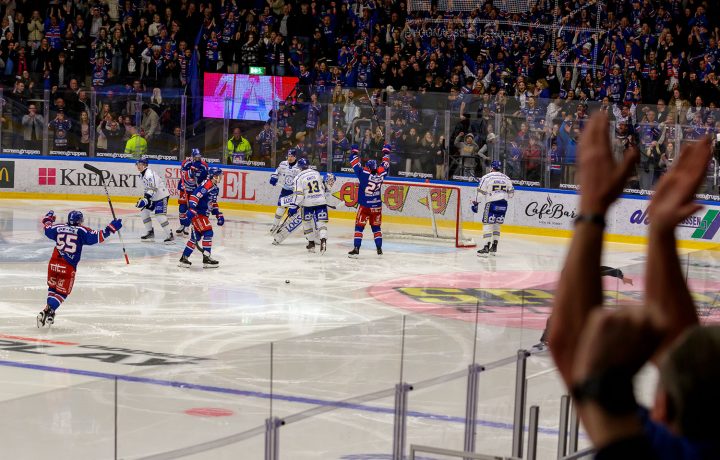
386 148
303 163
292 152
196 153
75 218
213 172
142 161
496 165
354 148
371 165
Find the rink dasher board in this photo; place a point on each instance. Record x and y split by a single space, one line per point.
531 211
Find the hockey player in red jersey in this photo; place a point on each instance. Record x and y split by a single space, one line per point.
369 199
69 240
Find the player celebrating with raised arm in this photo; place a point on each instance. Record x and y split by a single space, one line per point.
201 204
193 172
69 240
494 189
285 174
369 198
154 200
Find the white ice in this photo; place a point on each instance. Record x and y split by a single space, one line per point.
174 340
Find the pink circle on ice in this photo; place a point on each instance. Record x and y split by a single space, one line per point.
209 412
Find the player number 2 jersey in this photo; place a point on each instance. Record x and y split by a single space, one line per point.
495 186
370 191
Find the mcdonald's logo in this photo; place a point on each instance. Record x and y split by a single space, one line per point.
7 174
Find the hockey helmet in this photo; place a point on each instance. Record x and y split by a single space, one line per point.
142 161
196 153
371 165
303 163
292 152
75 218
354 148
496 165
386 148
214 172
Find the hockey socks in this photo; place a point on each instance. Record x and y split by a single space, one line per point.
55 299
357 241
377 234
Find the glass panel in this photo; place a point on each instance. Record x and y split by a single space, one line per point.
338 384
60 412
214 401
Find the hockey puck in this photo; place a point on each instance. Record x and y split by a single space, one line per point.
287 281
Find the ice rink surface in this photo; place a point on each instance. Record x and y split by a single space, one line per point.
202 357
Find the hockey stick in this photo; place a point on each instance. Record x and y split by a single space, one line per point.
92 168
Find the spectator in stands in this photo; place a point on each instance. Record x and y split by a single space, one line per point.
136 146
238 147
33 125
113 132
150 124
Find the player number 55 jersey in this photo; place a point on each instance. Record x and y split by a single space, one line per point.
495 186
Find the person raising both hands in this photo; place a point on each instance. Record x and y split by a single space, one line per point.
598 351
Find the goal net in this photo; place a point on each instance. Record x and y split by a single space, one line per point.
426 211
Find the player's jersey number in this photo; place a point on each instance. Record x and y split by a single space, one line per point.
66 243
313 186
501 187
371 188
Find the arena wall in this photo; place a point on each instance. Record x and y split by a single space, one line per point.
531 211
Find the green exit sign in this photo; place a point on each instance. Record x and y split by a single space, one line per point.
257 70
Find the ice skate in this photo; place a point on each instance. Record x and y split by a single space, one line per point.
209 262
182 231
310 246
323 246
149 236
354 253
484 252
46 317
274 229
493 248
170 239
184 262
379 251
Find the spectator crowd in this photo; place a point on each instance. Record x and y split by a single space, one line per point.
650 64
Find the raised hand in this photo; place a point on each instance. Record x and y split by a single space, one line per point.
601 178
674 195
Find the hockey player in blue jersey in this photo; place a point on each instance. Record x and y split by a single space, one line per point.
201 204
193 172
69 240
285 174
369 199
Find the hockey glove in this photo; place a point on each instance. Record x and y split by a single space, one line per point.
292 210
474 207
114 225
49 218
142 203
273 180
220 219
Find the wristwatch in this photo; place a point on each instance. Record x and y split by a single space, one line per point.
611 390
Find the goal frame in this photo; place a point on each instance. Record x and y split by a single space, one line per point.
460 240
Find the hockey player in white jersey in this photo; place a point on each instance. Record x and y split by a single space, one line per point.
309 195
493 191
290 224
154 201
285 175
